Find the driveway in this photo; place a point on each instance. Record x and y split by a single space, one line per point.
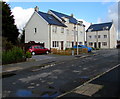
42 57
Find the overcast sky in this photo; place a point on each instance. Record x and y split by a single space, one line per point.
88 12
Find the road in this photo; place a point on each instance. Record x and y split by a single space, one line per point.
57 79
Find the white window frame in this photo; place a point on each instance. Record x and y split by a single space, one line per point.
90 36
104 43
105 36
55 44
35 30
99 36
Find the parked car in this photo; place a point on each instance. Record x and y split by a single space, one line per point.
118 46
83 46
37 49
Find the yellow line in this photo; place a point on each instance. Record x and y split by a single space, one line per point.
89 81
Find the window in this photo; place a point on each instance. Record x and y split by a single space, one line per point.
89 30
105 28
98 36
91 43
54 29
62 30
50 18
55 43
35 30
105 36
68 43
67 31
95 36
104 43
90 36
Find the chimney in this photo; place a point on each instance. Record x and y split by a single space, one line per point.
90 23
72 15
36 9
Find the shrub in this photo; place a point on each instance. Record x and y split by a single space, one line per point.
28 54
6 45
14 55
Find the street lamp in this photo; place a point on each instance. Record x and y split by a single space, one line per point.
76 43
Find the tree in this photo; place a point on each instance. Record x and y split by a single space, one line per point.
9 29
23 37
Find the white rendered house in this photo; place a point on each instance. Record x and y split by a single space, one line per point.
54 29
101 35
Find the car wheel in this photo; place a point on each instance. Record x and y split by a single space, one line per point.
47 52
33 53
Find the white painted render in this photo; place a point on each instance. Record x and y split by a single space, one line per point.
46 34
111 38
42 30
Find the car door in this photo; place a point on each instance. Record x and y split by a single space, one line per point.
36 50
41 49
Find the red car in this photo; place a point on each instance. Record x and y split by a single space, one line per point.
37 49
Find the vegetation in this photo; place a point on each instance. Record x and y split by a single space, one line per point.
6 45
28 54
9 29
22 40
13 55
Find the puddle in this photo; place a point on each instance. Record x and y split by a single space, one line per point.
84 77
5 75
23 93
50 94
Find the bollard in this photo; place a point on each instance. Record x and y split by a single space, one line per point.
72 52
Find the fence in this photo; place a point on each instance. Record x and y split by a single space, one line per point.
69 51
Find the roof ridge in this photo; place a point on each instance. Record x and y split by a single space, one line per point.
102 23
61 13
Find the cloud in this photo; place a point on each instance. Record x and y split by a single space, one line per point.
6 0
113 16
22 16
99 20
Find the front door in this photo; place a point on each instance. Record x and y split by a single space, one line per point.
61 45
95 45
99 44
72 44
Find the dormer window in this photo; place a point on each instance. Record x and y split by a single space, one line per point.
50 18
105 28
90 30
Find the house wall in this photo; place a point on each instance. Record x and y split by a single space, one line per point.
79 32
113 37
97 40
58 36
68 36
41 26
46 34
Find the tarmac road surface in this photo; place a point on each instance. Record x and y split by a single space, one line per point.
56 79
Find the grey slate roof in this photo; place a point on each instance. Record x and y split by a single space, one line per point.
100 27
51 19
60 15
